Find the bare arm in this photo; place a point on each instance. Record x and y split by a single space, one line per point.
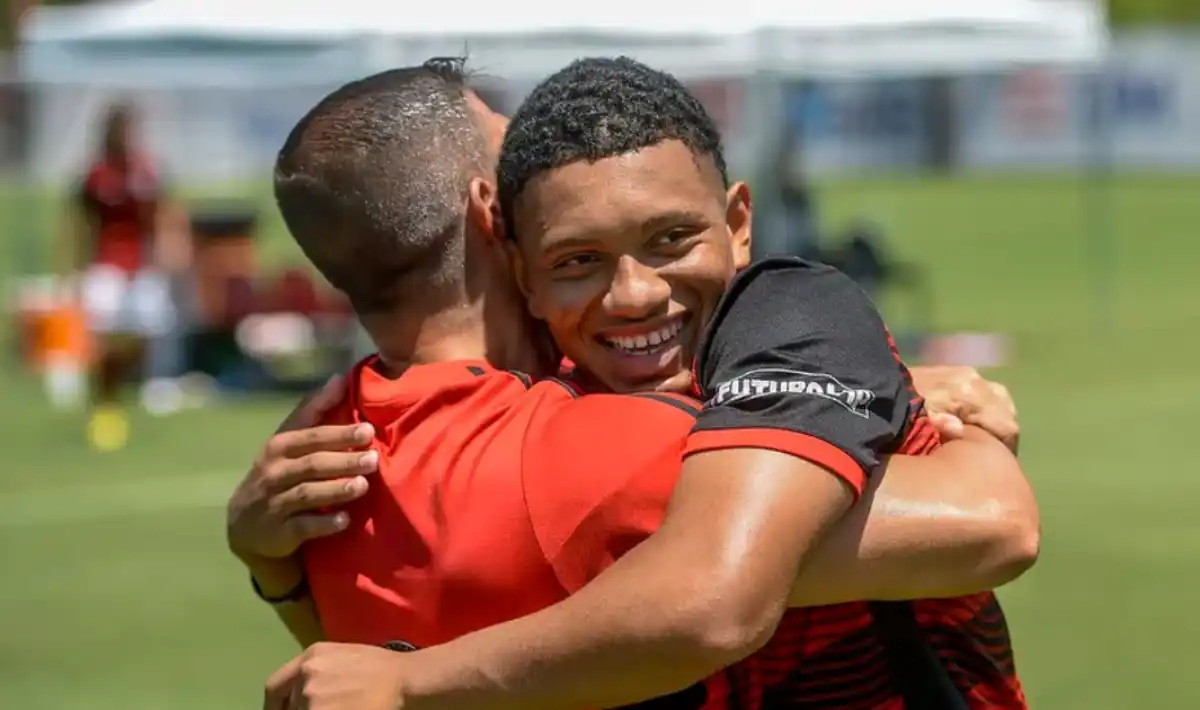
664 615
278 577
959 521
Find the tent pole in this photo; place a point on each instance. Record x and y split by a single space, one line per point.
1099 219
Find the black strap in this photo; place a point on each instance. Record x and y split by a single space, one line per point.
920 675
295 594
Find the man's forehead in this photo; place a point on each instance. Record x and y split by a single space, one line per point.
668 171
622 192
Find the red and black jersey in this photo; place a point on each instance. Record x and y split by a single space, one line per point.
797 349
120 201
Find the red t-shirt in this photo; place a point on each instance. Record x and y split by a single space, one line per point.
120 201
501 496
444 542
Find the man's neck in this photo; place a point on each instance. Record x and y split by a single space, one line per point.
454 335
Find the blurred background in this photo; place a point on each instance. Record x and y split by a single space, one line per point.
1017 181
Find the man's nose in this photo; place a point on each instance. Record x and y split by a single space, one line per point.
637 290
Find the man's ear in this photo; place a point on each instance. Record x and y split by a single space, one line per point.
738 218
483 208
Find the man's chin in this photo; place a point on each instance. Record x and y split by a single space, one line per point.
679 383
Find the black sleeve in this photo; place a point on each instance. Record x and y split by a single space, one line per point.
797 359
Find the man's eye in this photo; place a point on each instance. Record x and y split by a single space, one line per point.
677 236
575 260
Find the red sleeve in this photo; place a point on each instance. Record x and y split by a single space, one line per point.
598 473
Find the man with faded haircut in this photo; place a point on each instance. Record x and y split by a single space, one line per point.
448 541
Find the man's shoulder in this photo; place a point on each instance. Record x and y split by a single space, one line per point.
589 446
598 420
784 267
767 283
597 473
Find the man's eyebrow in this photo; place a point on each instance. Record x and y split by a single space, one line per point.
589 236
673 218
552 243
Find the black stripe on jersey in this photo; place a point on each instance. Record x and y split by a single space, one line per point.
564 385
477 371
525 379
683 404
923 679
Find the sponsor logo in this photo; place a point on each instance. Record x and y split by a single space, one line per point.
1036 104
776 381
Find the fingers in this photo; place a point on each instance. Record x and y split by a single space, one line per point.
1002 397
301 442
1001 425
283 474
310 527
279 685
948 425
311 496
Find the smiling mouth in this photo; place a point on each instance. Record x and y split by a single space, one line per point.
650 343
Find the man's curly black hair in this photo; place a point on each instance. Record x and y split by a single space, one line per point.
596 108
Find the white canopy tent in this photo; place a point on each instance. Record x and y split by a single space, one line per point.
251 54
256 46
147 41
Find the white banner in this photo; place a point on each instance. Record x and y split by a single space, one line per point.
858 124
1144 111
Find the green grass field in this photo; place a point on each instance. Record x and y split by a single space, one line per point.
116 591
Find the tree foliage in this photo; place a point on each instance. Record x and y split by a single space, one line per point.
1148 13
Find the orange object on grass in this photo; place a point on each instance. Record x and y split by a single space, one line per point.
60 334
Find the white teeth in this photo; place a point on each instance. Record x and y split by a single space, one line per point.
648 340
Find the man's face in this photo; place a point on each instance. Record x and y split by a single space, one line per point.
626 258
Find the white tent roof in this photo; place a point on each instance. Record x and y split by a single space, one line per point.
519 39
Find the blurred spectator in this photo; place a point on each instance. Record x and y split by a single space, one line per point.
124 242
796 199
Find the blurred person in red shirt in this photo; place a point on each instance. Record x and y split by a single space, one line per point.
125 241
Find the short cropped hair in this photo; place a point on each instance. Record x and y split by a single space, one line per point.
372 184
597 108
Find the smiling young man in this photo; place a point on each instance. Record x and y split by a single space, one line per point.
500 529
